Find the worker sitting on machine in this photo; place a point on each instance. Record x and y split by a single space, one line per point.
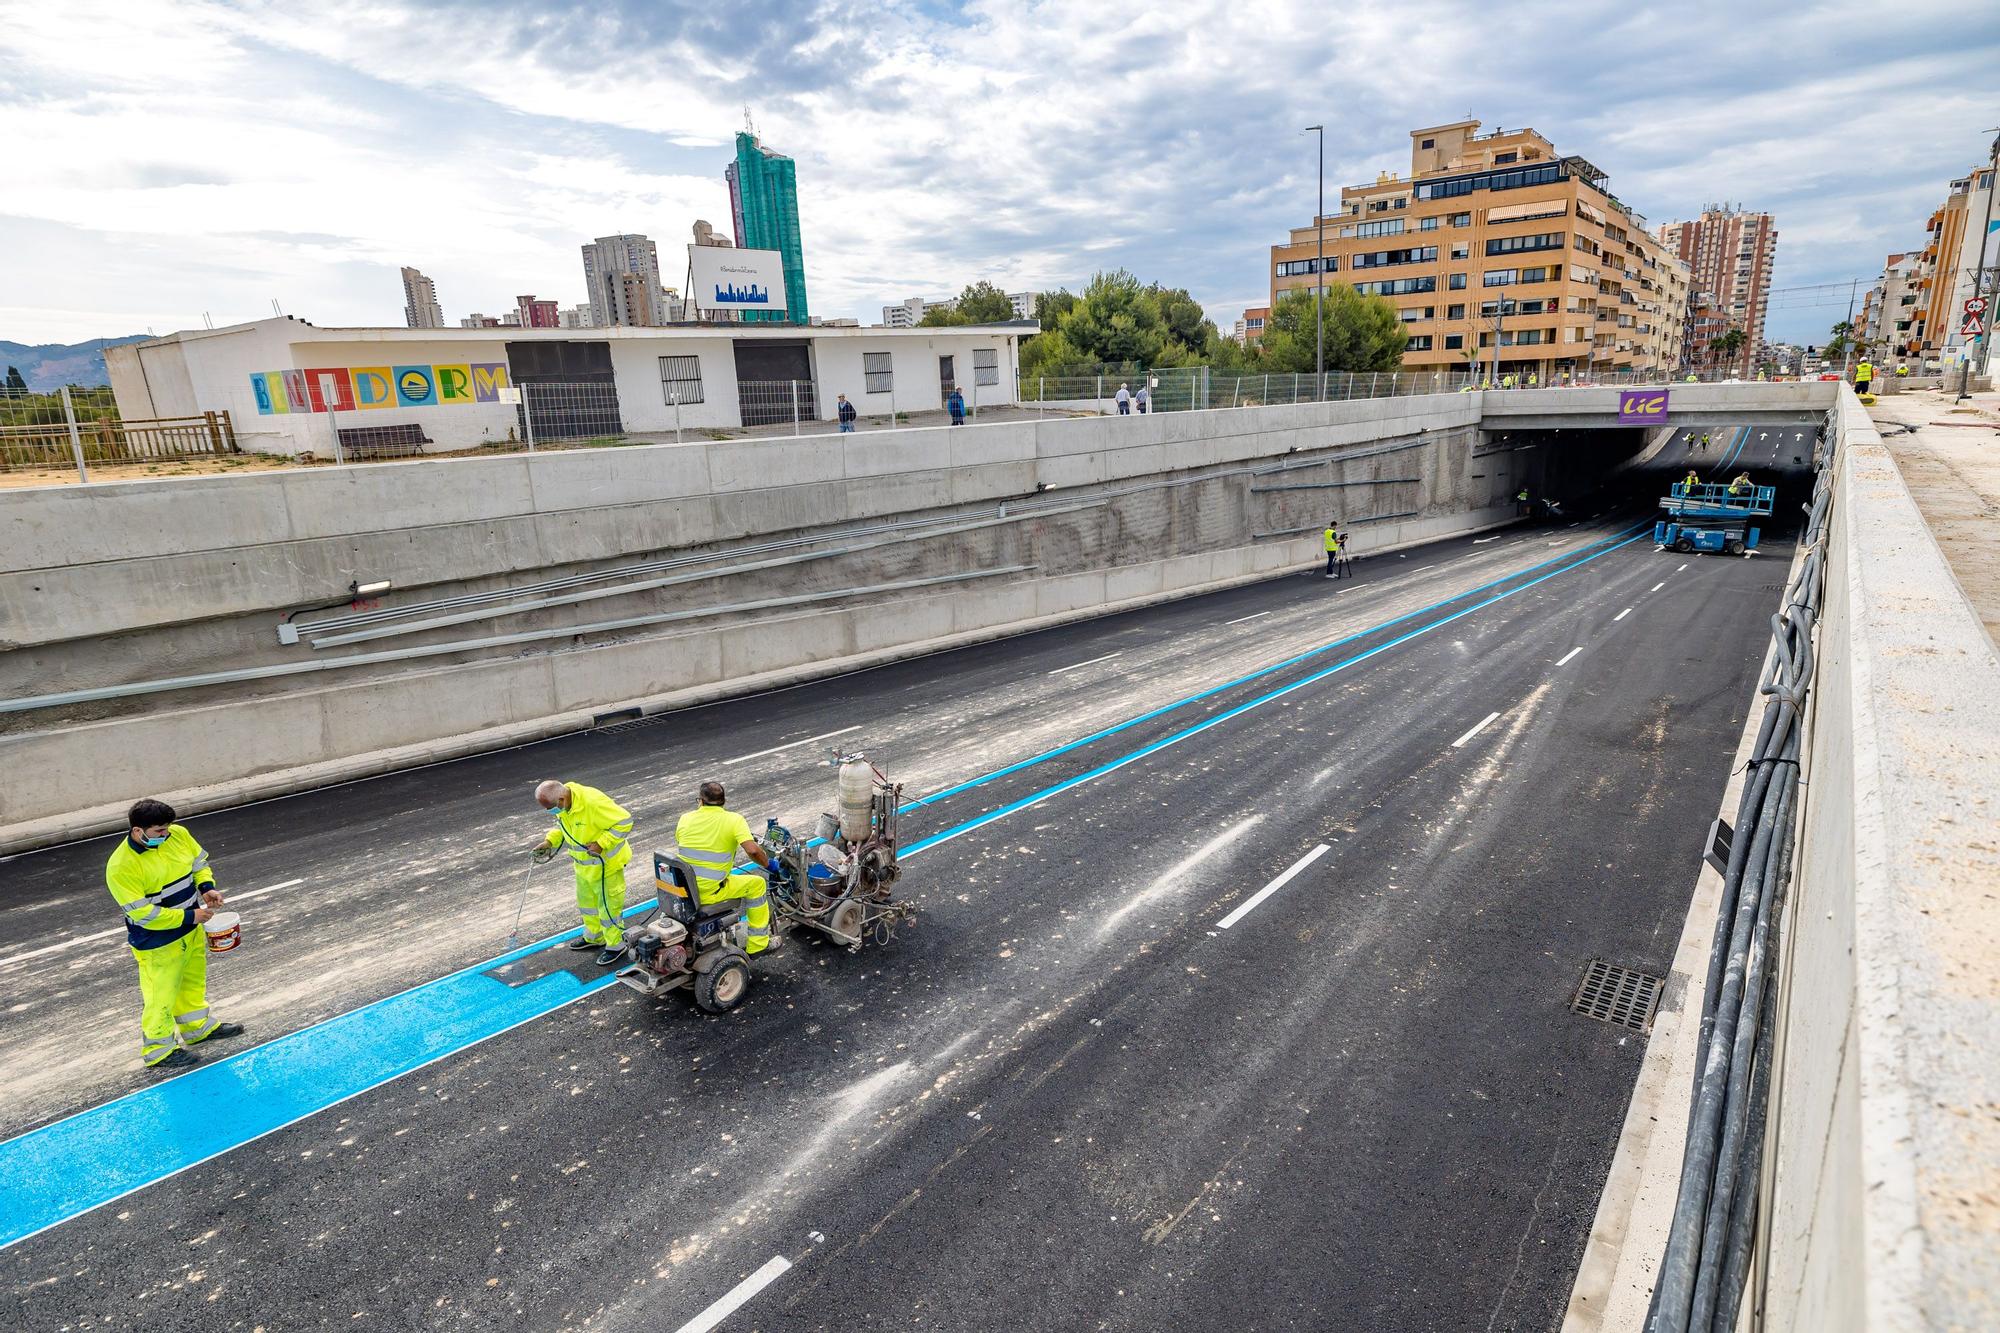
1741 485
710 839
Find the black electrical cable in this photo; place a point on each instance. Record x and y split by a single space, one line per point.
1707 1259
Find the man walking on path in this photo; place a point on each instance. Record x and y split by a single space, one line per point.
1124 401
846 414
159 876
596 830
1144 398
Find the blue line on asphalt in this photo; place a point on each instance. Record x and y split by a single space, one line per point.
1258 674
1240 709
84 1161
1742 438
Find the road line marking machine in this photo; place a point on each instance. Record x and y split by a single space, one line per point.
836 883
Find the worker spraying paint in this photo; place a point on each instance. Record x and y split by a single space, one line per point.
596 831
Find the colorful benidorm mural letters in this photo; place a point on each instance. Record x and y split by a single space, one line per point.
366 388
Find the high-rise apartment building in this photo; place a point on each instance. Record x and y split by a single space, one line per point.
1730 252
607 263
764 203
420 302
1497 247
536 314
573 317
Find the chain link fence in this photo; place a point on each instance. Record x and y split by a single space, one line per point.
77 428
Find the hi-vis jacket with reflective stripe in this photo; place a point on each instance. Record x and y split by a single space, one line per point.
1331 540
593 817
158 888
710 839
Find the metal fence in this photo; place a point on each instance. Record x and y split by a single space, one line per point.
75 427
1203 388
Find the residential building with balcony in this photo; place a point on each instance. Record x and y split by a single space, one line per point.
1497 250
1730 253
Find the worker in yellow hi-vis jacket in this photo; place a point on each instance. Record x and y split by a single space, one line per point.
597 832
160 877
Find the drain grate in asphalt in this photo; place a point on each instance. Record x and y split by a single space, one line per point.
1617 995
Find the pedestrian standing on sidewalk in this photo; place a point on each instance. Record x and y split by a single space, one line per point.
1124 401
846 414
956 406
1144 399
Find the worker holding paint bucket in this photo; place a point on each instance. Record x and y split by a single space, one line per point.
160 877
596 830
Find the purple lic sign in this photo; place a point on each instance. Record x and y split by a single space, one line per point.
1642 405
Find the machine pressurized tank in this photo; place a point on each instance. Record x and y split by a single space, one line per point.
857 795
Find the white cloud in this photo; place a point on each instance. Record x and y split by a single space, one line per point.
192 155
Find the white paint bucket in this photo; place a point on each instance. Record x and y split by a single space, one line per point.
225 931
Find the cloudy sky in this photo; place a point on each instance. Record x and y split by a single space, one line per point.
175 157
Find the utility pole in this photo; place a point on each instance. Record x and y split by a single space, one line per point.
1319 261
1979 274
1847 338
1499 331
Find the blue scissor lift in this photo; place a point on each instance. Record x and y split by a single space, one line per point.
1711 516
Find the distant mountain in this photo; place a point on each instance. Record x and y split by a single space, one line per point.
51 365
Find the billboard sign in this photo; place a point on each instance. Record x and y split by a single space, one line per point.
722 279
1640 406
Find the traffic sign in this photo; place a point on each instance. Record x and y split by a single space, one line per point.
1975 305
1973 327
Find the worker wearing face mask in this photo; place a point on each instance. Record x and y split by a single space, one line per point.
597 831
160 878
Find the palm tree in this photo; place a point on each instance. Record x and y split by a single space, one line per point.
1724 346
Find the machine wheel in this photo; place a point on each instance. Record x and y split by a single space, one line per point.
845 918
723 986
1683 543
1730 546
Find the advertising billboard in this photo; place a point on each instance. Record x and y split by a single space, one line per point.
722 279
1642 405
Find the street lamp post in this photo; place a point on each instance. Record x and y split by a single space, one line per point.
1319 263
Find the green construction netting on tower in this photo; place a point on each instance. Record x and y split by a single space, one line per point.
764 192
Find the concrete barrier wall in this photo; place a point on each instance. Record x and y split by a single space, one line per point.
1880 1199
136 581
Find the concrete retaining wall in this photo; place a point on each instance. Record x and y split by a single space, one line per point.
1882 1208
137 581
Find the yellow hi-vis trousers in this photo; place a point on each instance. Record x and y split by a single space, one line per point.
756 896
173 981
600 900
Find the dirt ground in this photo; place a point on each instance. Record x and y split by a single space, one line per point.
215 465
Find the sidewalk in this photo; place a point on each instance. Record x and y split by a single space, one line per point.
1949 455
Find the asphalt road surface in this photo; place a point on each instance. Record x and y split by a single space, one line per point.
1238 997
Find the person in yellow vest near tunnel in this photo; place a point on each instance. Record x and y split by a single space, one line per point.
1330 539
160 878
1864 376
597 832
710 838
1690 481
